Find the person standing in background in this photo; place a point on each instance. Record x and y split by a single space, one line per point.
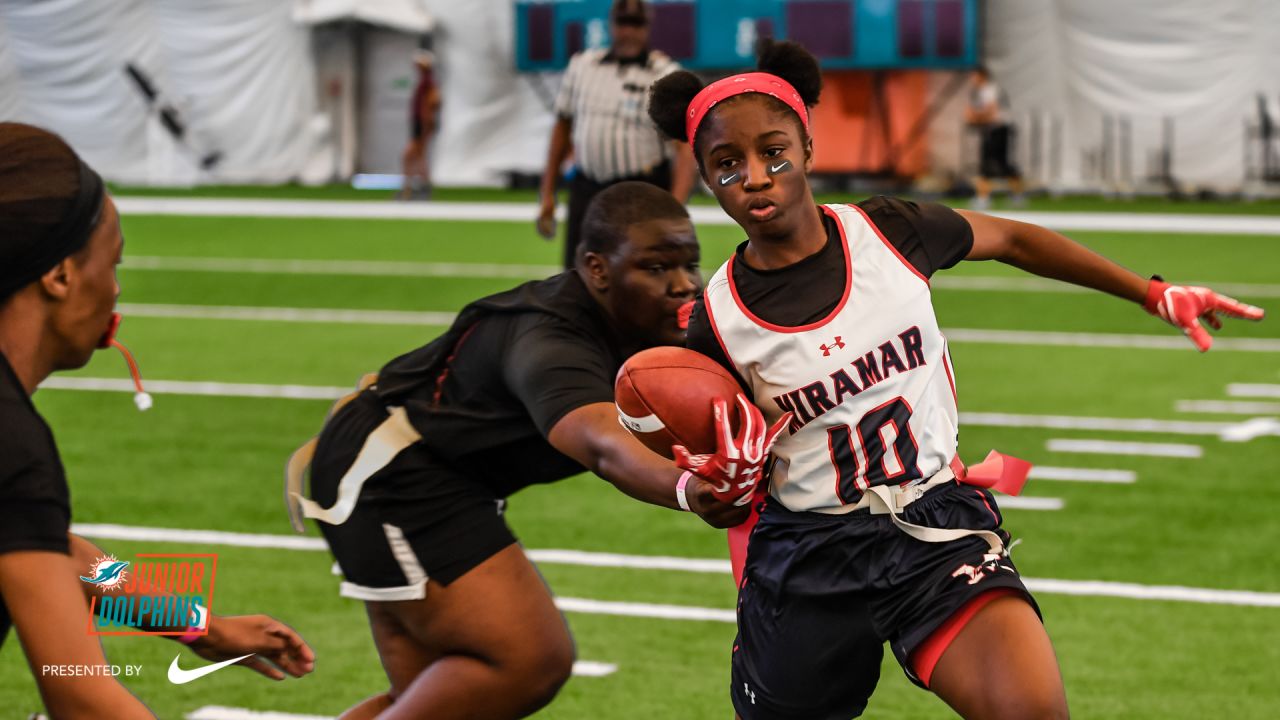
989 115
423 115
601 117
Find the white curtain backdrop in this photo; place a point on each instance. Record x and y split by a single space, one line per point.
1200 63
243 74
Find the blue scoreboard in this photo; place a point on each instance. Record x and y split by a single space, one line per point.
721 34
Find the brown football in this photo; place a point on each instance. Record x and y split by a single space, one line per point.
664 398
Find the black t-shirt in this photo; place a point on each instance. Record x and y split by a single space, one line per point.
929 236
485 395
35 505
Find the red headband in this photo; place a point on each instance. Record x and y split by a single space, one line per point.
722 90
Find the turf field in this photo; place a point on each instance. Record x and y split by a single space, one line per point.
1116 564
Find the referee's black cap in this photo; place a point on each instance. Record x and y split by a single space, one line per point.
630 10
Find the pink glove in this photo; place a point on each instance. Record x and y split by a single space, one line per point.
737 464
1183 307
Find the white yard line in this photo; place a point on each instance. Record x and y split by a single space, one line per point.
1227 431
1046 472
1253 390
1101 340
1017 502
702 214
1108 447
958 335
397 268
280 314
360 268
613 560
1228 407
222 712
213 389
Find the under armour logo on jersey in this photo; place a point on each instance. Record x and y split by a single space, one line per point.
837 344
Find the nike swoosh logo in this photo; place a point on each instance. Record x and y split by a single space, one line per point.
776 168
178 676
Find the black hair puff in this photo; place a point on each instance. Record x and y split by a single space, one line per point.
791 62
669 100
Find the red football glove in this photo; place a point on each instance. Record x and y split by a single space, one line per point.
738 462
1183 307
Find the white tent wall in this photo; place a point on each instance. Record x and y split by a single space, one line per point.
239 71
1200 63
492 120
244 74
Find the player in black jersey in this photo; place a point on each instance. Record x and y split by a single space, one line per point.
826 585
409 477
60 242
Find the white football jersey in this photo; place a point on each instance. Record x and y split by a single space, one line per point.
871 384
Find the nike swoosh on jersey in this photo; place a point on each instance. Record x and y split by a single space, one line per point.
178 676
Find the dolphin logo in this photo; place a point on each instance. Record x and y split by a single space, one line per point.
107 573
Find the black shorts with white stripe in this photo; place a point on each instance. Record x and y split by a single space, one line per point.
822 594
416 519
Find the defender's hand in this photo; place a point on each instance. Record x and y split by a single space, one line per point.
276 647
1184 307
738 462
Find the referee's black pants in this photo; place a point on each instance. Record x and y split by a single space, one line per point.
582 189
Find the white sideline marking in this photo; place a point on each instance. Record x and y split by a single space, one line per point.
1236 407
701 214
363 268
1107 447
215 389
222 712
1014 502
1047 472
590 559
1253 390
280 314
1101 340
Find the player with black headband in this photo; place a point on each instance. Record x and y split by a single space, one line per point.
872 530
410 476
60 242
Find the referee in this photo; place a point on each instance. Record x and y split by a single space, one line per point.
602 119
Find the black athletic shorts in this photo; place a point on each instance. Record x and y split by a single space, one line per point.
823 593
416 519
995 160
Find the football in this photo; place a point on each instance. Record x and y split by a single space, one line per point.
664 397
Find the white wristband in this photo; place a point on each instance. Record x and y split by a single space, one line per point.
680 496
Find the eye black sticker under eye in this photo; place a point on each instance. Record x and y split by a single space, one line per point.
730 178
780 167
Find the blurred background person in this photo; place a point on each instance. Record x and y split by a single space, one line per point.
424 113
601 118
988 114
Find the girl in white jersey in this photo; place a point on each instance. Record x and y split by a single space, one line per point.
871 531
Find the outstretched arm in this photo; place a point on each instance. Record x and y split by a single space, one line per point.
593 436
1049 254
264 637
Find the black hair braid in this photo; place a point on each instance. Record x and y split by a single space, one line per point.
669 100
792 62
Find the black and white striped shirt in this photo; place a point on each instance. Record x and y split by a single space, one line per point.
607 101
